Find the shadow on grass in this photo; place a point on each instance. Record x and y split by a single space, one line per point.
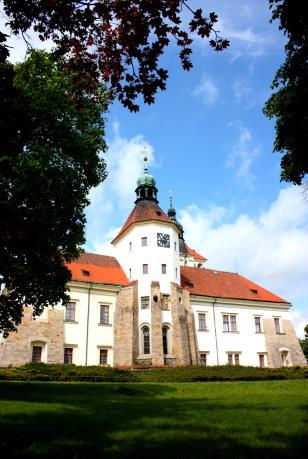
137 420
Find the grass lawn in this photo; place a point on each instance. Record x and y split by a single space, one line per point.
154 420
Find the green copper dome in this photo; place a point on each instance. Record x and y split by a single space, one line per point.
146 179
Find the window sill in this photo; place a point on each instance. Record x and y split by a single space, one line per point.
280 333
203 330
104 325
231 331
71 321
144 356
259 333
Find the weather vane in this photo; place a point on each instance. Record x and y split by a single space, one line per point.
145 156
170 198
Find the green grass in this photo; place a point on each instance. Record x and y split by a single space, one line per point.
150 420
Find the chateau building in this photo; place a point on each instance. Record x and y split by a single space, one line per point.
155 304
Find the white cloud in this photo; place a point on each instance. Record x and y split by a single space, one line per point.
18 46
113 199
207 90
243 155
241 90
299 320
270 248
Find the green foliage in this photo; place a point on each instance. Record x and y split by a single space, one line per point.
304 342
118 42
289 103
51 136
47 372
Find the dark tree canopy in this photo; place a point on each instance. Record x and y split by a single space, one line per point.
289 104
118 42
304 342
51 133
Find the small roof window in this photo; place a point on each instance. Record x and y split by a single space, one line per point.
85 272
254 291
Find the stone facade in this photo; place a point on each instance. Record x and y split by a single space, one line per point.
279 342
49 333
156 326
181 343
191 327
126 334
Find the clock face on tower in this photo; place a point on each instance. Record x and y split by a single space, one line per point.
163 240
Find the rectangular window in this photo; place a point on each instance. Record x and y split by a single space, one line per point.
262 360
202 321
144 241
104 314
68 355
203 358
229 323
130 273
176 272
165 302
175 246
130 246
145 302
233 358
36 354
103 356
277 325
145 269
70 311
163 269
233 323
258 324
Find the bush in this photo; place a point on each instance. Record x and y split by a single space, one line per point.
48 372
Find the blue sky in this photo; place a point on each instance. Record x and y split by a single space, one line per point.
209 143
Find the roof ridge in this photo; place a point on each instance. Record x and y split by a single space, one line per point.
210 269
94 253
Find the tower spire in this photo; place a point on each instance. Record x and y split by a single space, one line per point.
146 185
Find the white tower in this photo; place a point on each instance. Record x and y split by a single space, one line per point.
147 246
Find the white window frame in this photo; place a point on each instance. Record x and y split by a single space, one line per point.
255 324
101 306
141 340
144 302
144 241
206 353
228 325
265 359
275 319
235 355
75 312
202 313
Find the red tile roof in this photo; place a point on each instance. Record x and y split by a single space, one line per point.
195 254
220 284
101 269
144 211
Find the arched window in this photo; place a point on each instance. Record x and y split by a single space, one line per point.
146 339
166 345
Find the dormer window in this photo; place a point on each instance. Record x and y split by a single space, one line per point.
254 291
85 272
